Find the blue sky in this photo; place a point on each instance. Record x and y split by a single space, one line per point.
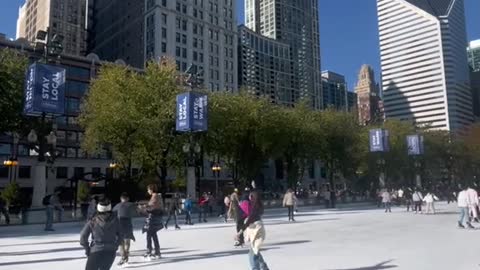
348 32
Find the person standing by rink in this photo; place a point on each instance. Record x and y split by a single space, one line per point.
417 199
125 211
106 237
173 210
188 207
153 222
463 203
289 200
203 207
472 203
52 203
254 232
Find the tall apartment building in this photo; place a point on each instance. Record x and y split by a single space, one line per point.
296 24
265 67
335 92
368 102
197 33
473 52
115 30
424 63
62 17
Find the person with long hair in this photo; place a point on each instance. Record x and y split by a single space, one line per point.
106 234
153 222
254 232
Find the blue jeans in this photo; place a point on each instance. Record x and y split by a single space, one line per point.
49 213
463 214
256 261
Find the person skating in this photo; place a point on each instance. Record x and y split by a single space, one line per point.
153 222
462 202
226 207
125 211
106 234
203 208
52 203
417 199
289 202
430 199
472 203
4 211
408 199
387 201
188 207
173 209
254 232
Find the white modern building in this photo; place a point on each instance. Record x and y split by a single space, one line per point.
296 24
197 33
424 63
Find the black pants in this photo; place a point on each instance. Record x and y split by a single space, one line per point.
290 212
418 206
4 211
240 223
101 260
188 217
174 214
202 212
152 236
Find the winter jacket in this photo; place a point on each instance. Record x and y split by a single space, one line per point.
472 197
125 212
234 209
462 200
254 230
386 197
430 198
188 205
154 211
417 196
105 231
203 202
289 199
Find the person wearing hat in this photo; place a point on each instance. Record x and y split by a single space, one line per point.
106 237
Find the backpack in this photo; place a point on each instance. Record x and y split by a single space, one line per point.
46 200
244 207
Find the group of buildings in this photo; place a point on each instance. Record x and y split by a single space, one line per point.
275 54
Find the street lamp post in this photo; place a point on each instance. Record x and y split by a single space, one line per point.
418 177
382 176
216 169
192 151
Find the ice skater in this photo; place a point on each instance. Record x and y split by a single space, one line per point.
289 200
203 208
430 199
173 209
125 211
387 200
106 234
188 207
153 222
235 213
462 202
254 232
417 199
472 204
52 204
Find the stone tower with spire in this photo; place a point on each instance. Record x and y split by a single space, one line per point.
368 97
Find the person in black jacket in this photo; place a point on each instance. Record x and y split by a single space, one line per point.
153 222
173 209
125 211
106 237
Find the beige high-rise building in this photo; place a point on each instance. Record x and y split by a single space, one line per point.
368 99
62 17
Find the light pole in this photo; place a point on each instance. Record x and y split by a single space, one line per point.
382 176
192 151
216 169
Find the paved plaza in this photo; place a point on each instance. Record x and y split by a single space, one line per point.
345 239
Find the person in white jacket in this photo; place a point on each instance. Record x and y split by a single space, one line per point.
463 203
430 199
417 200
472 203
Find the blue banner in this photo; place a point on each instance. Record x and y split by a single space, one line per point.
379 140
44 90
415 145
192 112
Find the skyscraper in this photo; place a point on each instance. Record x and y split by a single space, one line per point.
424 63
197 33
335 92
368 97
474 55
296 24
115 30
62 17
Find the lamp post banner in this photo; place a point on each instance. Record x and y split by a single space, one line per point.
415 145
44 90
379 140
192 112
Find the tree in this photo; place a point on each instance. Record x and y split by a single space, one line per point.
12 76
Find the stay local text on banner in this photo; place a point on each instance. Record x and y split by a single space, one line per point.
192 112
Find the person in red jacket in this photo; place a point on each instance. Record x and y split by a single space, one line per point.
202 208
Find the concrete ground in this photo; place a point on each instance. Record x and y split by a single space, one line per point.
346 239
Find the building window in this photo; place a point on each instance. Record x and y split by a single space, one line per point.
78 171
164 3
164 47
164 18
184 39
184 52
24 172
164 32
5 148
184 25
71 152
177 37
62 172
177 51
3 172
96 172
